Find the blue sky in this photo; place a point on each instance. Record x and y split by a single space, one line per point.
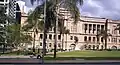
95 8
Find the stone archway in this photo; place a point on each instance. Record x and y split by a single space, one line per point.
89 47
72 46
114 47
97 47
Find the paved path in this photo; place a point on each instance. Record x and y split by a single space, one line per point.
20 56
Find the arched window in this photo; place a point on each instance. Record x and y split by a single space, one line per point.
114 47
97 46
89 47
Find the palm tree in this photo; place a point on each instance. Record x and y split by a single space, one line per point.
51 9
34 22
104 34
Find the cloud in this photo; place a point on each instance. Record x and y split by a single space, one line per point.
97 8
101 8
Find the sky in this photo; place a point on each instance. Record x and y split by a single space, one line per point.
94 8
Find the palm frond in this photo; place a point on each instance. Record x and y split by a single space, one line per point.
71 5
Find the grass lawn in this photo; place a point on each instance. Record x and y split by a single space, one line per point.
89 55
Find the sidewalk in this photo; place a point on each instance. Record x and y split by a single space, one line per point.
19 56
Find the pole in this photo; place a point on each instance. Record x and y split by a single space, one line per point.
44 40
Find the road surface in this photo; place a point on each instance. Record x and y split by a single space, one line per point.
61 64
33 61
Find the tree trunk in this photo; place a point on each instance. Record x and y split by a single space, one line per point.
66 43
45 31
56 28
44 41
98 38
34 42
3 48
106 25
62 41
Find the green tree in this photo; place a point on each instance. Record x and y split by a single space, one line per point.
3 23
16 40
51 9
34 23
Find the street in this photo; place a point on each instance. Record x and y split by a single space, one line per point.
33 61
64 64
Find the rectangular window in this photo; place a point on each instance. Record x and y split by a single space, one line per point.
93 39
112 40
85 38
90 39
74 28
59 37
102 27
46 36
40 43
101 39
54 36
50 29
90 26
50 44
94 28
41 36
97 39
85 26
50 36
85 31
59 45
98 27
109 39
119 31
